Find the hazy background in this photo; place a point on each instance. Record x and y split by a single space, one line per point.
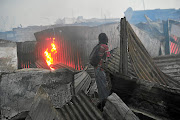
45 12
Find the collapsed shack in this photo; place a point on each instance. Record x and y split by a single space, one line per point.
138 80
166 32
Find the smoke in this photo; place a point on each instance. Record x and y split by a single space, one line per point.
44 12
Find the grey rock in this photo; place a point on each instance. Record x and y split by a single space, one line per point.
18 88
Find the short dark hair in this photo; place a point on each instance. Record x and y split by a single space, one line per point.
103 39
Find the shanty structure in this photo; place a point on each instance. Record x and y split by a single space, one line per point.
138 80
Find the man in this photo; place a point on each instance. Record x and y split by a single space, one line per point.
100 76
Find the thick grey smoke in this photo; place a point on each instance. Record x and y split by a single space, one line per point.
44 12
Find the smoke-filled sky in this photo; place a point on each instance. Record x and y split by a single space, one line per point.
43 12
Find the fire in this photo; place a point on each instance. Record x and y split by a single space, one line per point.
53 48
49 58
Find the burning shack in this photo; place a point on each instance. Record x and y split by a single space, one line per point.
63 46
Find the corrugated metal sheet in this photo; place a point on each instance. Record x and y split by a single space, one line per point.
112 65
141 60
74 43
80 108
82 82
25 52
42 64
91 72
170 65
174 32
174 45
140 63
61 65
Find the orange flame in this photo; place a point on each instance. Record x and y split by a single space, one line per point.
49 58
53 48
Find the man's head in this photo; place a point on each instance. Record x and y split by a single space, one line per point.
103 39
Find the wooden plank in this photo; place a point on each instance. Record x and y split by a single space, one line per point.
116 109
123 48
121 45
125 56
167 37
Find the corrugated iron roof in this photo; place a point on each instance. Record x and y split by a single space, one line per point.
140 63
143 63
112 65
80 108
169 64
82 81
42 64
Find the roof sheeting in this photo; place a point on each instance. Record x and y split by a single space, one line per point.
80 108
112 65
170 65
82 81
142 63
43 64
